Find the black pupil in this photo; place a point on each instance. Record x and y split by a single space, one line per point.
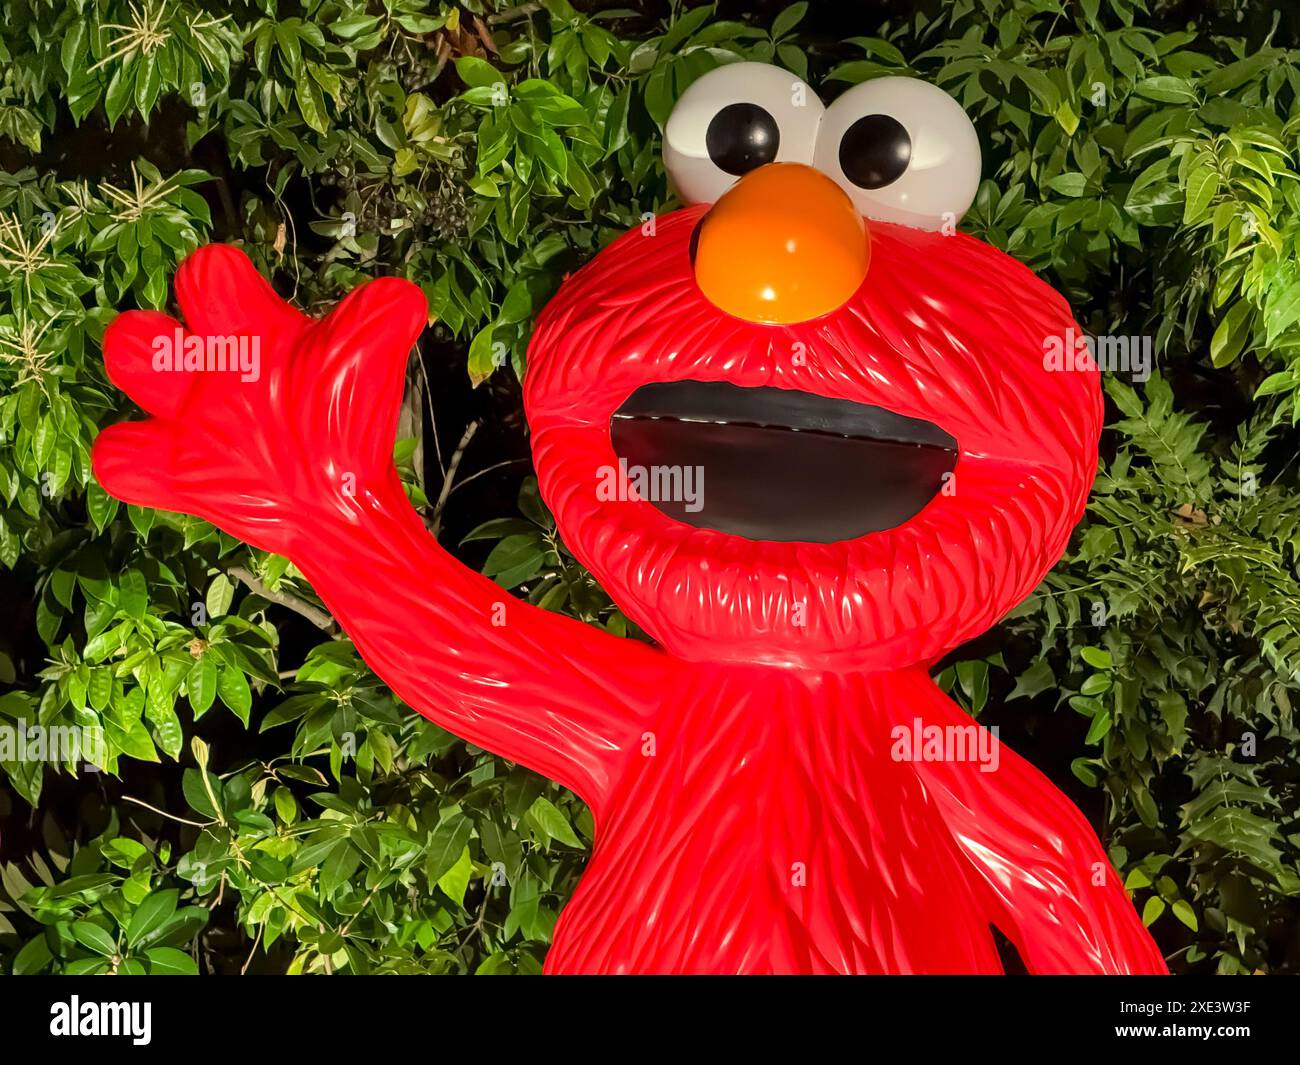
875 151
742 137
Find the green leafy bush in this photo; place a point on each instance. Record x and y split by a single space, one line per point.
260 801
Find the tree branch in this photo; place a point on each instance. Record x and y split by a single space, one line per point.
435 521
510 14
313 614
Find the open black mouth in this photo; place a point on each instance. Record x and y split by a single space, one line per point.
775 464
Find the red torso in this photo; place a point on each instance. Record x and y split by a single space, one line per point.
766 829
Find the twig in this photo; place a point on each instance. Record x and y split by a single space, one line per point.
243 971
428 403
442 55
447 482
164 813
343 932
511 13
489 469
290 602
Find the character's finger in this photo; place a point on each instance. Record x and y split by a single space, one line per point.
132 462
376 324
222 294
139 354
359 353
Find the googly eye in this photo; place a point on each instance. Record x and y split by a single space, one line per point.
904 151
733 120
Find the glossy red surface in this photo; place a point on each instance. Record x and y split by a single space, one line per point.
753 813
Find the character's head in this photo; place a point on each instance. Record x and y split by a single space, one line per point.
803 421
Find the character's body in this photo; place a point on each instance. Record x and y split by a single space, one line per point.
753 811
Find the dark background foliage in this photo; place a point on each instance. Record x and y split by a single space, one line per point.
265 805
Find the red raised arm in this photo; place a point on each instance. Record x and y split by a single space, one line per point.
279 429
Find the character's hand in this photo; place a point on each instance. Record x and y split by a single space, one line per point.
297 459
300 422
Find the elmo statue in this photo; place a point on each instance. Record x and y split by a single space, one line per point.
803 432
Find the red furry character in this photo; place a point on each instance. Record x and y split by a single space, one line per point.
887 467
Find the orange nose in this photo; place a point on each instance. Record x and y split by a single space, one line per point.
782 245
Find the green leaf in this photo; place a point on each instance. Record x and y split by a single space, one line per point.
549 818
495 965
353 25
201 683
455 880
515 555
1166 89
1182 909
197 795
100 688
1034 680
286 805
1100 727
100 506
311 103
1153 908
1096 657
786 20
94 938
339 866
148 82
151 915
1202 187
483 356
167 730
233 688
168 961
74 46
1276 383
1069 184
133 594
477 73
1281 311
35 957
1068 120
133 740
446 844
1095 684
1231 334
119 92
86 967
221 592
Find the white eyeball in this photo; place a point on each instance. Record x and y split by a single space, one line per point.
904 151
734 119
